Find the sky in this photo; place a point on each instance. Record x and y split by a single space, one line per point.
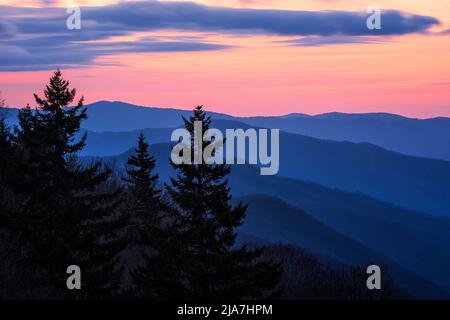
241 57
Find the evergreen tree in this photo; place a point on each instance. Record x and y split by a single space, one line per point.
5 145
144 210
6 174
142 187
9 284
7 177
67 216
199 259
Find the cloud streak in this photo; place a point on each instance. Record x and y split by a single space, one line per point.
37 38
191 16
312 41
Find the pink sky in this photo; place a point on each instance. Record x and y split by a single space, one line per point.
262 75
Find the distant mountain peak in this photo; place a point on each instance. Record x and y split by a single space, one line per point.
295 115
369 115
107 103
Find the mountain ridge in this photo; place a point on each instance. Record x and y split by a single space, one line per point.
395 232
413 182
429 137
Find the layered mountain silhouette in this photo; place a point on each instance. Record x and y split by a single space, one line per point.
343 196
276 221
349 227
418 137
415 183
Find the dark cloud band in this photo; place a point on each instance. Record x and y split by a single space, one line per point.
190 16
37 39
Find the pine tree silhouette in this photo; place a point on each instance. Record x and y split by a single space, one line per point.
142 185
6 170
200 260
8 173
65 218
5 142
144 209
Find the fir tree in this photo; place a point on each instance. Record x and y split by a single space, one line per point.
142 185
5 144
65 217
199 259
144 209
6 176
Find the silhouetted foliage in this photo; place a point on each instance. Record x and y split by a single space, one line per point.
6 150
144 210
199 261
307 277
131 238
62 218
8 280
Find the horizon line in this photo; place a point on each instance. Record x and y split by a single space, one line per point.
299 114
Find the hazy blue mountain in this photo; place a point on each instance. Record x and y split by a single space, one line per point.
119 116
318 214
275 221
415 183
112 143
412 182
416 241
418 137
116 116
286 116
373 115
